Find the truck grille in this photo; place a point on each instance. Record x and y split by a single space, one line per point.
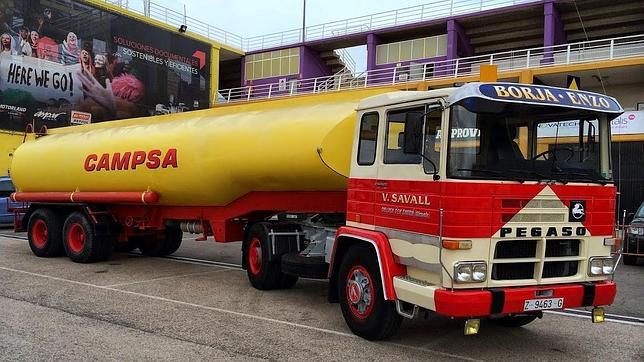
513 271
523 258
562 247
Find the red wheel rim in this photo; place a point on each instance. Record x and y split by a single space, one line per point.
360 292
255 256
39 234
76 238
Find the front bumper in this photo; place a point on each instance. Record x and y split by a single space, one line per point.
481 303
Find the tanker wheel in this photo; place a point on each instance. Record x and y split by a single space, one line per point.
45 231
514 321
362 301
262 273
165 244
81 243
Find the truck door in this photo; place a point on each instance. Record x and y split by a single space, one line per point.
407 185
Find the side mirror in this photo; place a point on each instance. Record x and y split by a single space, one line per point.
413 136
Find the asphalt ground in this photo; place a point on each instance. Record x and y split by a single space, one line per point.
201 307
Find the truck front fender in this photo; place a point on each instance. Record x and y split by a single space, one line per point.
347 236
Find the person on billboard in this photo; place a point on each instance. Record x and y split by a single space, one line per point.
70 51
6 42
48 49
44 27
34 39
24 47
101 71
86 59
4 24
120 98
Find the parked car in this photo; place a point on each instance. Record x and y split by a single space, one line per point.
634 238
6 189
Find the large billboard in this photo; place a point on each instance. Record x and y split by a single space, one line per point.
65 62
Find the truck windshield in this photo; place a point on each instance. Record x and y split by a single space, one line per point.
528 145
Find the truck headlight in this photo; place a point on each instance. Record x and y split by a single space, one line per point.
601 265
634 230
470 272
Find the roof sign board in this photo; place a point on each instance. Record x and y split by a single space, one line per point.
484 97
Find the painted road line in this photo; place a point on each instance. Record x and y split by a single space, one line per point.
612 316
10 236
166 278
231 312
607 318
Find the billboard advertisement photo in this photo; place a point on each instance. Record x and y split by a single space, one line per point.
66 62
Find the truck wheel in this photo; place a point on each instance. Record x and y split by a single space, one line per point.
262 273
362 301
630 259
162 246
514 321
82 245
45 231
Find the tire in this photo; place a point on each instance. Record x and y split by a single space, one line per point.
362 301
45 233
262 274
514 321
167 244
81 243
630 259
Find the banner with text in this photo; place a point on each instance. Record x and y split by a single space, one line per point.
77 58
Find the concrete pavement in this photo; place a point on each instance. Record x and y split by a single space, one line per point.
133 308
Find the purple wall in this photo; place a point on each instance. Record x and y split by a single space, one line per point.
553 30
311 65
372 43
458 43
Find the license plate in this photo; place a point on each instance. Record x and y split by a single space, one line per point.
541 304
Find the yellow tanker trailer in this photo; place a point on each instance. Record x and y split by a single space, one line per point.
212 169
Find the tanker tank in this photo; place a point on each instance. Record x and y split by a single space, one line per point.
209 157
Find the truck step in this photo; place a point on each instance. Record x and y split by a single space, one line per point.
306 267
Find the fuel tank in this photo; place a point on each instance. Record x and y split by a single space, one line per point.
209 157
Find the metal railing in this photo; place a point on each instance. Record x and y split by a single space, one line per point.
434 9
347 59
176 19
573 53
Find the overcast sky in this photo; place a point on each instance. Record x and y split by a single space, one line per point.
249 18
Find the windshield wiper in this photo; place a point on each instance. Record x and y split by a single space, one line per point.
542 177
492 172
575 176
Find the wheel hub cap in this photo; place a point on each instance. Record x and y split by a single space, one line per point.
360 292
255 256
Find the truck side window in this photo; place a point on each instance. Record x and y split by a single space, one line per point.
432 146
395 137
368 139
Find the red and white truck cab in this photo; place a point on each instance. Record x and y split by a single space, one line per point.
488 200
